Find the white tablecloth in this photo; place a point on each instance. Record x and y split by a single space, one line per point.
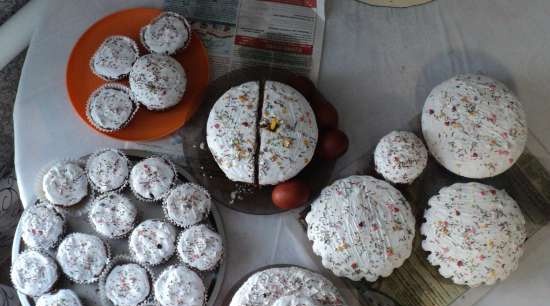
378 66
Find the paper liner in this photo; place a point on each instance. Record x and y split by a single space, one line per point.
63 232
167 13
218 262
115 86
91 223
176 223
120 260
172 184
98 152
198 272
123 76
54 284
164 260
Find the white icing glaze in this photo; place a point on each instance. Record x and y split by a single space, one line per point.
115 57
166 34
127 285
361 227
474 126
113 215
152 178
231 131
187 204
475 233
108 170
82 257
41 226
158 81
110 107
287 286
153 242
65 184
179 286
200 247
63 297
288 134
33 273
400 157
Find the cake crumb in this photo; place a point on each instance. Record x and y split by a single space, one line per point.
202 146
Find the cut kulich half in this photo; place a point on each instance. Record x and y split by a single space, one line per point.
262 132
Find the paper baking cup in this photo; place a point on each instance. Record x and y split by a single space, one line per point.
55 283
96 153
172 184
215 266
178 16
89 219
163 261
91 63
63 232
176 223
115 86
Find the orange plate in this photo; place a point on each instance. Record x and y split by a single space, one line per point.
146 125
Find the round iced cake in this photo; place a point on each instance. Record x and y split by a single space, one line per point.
166 34
33 273
474 233
474 126
361 227
113 215
157 81
108 170
187 204
65 184
82 257
179 286
200 247
153 242
400 157
127 284
152 178
62 297
287 286
41 226
110 107
113 60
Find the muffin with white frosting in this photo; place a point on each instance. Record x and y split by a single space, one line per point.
400 157
62 297
41 226
475 233
82 257
474 126
200 247
152 242
287 286
65 184
127 284
166 34
187 204
152 178
108 170
34 273
113 215
178 285
113 60
361 227
158 81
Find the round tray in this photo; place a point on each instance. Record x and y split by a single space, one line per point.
146 125
88 293
242 197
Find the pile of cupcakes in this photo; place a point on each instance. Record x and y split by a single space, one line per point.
156 80
109 189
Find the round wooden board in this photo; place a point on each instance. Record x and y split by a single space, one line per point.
239 196
395 3
146 125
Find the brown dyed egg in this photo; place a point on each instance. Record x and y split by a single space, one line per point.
325 113
290 194
304 85
333 144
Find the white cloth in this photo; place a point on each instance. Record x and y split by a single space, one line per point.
378 66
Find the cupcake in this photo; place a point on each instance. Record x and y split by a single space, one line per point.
474 233
152 178
400 157
82 257
474 126
199 247
41 226
113 60
179 286
231 131
63 297
166 34
152 242
110 107
65 184
127 284
158 81
33 273
287 286
113 215
108 170
361 227
187 204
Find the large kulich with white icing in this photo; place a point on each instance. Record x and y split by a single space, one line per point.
265 139
474 126
361 227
